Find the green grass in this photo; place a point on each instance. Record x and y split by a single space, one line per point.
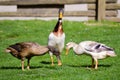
74 67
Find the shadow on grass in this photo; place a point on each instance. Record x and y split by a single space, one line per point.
46 62
32 67
49 66
78 66
10 67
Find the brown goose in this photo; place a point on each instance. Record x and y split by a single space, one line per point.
94 49
28 50
57 37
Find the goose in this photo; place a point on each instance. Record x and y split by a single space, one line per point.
27 50
57 37
94 49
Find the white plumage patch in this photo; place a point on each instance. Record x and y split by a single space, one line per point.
56 41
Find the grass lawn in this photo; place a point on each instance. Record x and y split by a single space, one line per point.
74 67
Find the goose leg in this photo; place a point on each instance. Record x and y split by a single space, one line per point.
51 57
96 64
52 60
22 62
92 63
28 64
58 55
59 60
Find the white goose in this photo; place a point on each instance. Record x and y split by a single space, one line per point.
57 37
94 49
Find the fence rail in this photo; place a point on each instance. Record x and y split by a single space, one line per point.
90 9
36 2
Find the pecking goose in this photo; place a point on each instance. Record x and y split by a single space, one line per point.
94 49
27 50
57 37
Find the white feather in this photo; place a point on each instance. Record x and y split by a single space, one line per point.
56 41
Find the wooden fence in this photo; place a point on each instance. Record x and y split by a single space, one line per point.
80 10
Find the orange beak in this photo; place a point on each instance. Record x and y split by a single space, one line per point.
67 51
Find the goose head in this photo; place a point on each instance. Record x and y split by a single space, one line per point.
7 50
61 11
69 46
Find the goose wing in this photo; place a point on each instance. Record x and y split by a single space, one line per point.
51 40
97 47
102 47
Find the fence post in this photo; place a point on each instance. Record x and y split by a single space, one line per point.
101 9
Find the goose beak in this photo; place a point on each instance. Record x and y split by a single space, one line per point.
60 15
61 11
67 51
7 50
